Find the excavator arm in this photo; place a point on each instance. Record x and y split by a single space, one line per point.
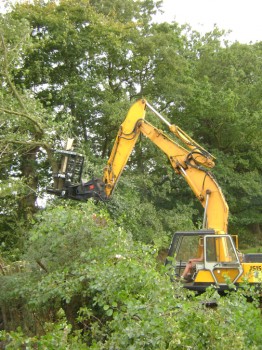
124 144
191 162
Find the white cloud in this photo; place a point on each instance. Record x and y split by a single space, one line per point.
242 17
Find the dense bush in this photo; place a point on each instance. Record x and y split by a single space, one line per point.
99 289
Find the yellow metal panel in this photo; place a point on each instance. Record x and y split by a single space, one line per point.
223 274
252 272
204 276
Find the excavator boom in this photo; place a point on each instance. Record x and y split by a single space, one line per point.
200 180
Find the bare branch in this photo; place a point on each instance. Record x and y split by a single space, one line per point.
27 116
41 265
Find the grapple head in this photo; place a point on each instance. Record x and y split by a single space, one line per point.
67 182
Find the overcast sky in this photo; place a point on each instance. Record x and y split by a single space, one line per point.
242 17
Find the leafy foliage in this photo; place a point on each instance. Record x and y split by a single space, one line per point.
97 279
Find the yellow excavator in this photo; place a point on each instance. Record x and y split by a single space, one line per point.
217 260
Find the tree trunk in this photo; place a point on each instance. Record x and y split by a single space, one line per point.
256 233
27 203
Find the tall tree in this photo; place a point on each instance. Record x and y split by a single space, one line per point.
225 110
26 133
82 60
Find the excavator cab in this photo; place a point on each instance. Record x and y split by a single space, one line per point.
185 246
219 265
